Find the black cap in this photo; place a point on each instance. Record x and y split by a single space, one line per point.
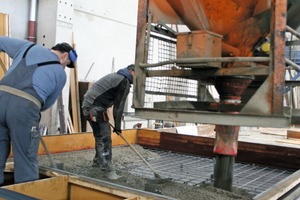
65 47
131 67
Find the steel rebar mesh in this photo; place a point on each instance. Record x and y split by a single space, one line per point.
197 170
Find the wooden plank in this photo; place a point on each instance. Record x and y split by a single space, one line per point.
133 198
74 86
293 133
149 138
55 188
4 27
4 70
130 135
80 141
289 141
70 124
273 131
65 143
78 192
74 101
84 188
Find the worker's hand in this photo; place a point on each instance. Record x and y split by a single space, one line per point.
118 132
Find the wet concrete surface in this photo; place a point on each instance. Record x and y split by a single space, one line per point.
127 164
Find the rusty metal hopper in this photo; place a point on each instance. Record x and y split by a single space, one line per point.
192 43
187 47
242 23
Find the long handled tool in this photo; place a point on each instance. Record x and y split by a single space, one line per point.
143 159
47 152
52 164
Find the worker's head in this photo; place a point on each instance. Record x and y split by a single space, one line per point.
68 55
128 72
131 69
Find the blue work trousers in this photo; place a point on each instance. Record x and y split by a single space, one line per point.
19 131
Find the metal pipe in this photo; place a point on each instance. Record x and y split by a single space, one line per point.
292 64
230 90
32 21
223 172
204 60
289 29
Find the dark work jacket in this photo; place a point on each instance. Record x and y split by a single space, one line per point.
110 90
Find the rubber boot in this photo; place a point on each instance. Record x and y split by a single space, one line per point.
95 161
110 173
99 159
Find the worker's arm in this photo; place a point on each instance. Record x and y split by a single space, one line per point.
12 46
119 103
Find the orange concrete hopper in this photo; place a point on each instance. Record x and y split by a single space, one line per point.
242 23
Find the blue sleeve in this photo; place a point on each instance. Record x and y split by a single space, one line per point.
49 81
13 47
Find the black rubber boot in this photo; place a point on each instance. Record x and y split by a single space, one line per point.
99 160
95 162
110 173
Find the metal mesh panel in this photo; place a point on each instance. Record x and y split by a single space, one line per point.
197 170
292 52
162 49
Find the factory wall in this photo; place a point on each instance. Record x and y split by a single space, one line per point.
103 31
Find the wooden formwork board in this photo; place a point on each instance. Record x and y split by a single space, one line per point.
52 188
80 189
64 187
293 133
80 141
80 192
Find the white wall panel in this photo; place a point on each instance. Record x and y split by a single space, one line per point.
104 30
18 16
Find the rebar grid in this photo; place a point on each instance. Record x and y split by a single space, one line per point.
162 49
196 170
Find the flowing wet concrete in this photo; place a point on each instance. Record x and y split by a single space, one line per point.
137 175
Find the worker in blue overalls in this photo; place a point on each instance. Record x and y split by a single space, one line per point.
32 84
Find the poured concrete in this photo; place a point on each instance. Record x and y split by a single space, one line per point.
137 175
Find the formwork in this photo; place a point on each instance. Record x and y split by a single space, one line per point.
187 160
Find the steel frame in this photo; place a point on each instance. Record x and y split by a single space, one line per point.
264 108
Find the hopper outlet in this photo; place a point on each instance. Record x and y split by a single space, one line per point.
231 88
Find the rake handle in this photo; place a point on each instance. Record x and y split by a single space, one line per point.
47 152
134 149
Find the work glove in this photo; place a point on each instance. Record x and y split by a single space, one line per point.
118 132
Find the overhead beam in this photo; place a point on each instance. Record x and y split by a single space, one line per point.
188 116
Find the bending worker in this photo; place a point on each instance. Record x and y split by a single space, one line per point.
32 84
110 90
